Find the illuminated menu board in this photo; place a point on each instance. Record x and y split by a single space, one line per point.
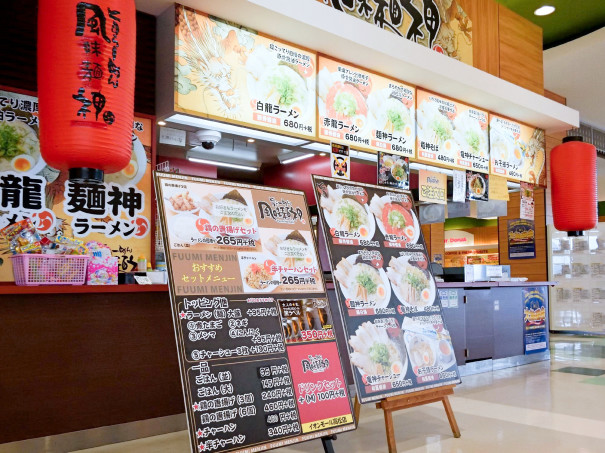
451 134
517 151
234 74
364 110
397 339
258 356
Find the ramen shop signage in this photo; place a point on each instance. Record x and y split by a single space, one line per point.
432 187
231 73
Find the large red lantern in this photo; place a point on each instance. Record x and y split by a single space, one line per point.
573 172
86 70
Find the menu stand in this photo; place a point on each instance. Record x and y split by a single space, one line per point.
395 403
326 442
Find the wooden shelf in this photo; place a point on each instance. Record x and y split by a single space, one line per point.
11 288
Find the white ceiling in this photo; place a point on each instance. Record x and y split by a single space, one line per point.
576 70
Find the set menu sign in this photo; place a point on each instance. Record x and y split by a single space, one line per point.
397 339
256 342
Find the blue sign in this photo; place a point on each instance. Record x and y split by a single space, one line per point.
534 310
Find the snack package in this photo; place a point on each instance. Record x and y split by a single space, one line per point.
102 271
69 246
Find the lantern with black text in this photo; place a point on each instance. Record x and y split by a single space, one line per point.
573 172
86 66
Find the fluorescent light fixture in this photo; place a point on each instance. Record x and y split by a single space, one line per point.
161 123
544 10
251 140
296 159
417 166
221 164
513 185
232 129
318 147
323 154
364 156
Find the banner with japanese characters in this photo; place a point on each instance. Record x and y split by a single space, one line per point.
116 212
534 311
231 73
397 339
363 109
255 336
451 134
517 151
441 25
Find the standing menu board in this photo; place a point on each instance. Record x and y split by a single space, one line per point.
364 110
397 339
517 151
257 351
451 134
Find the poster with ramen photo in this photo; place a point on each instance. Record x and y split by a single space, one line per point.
451 134
363 109
228 72
517 151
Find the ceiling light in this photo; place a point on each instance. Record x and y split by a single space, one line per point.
251 140
161 123
544 10
417 166
221 164
232 129
365 156
323 154
296 159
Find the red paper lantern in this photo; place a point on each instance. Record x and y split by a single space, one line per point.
86 70
573 172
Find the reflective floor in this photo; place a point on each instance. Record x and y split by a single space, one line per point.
556 406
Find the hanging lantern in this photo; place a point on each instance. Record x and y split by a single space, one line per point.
86 70
573 172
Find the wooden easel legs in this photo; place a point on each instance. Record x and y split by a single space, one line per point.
389 405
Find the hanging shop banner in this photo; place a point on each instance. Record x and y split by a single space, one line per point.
441 25
227 72
459 186
517 151
451 134
431 213
455 210
490 209
397 339
116 213
393 171
364 110
255 337
477 186
340 161
498 188
534 303
527 201
521 239
432 187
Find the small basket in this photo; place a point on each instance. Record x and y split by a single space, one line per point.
35 270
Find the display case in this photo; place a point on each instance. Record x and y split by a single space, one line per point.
578 265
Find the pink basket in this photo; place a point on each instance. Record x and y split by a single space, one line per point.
35 270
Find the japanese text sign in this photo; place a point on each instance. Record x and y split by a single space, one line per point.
364 110
255 336
230 73
451 134
432 187
517 151
397 339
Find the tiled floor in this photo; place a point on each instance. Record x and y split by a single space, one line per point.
534 408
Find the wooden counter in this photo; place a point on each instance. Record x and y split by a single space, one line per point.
79 357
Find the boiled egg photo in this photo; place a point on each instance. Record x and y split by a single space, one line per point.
22 163
131 169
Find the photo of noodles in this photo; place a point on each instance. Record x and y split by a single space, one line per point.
394 219
421 351
477 186
346 213
470 136
229 209
19 148
434 126
291 250
390 114
412 286
376 354
362 282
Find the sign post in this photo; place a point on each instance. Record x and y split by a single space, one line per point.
257 351
399 346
